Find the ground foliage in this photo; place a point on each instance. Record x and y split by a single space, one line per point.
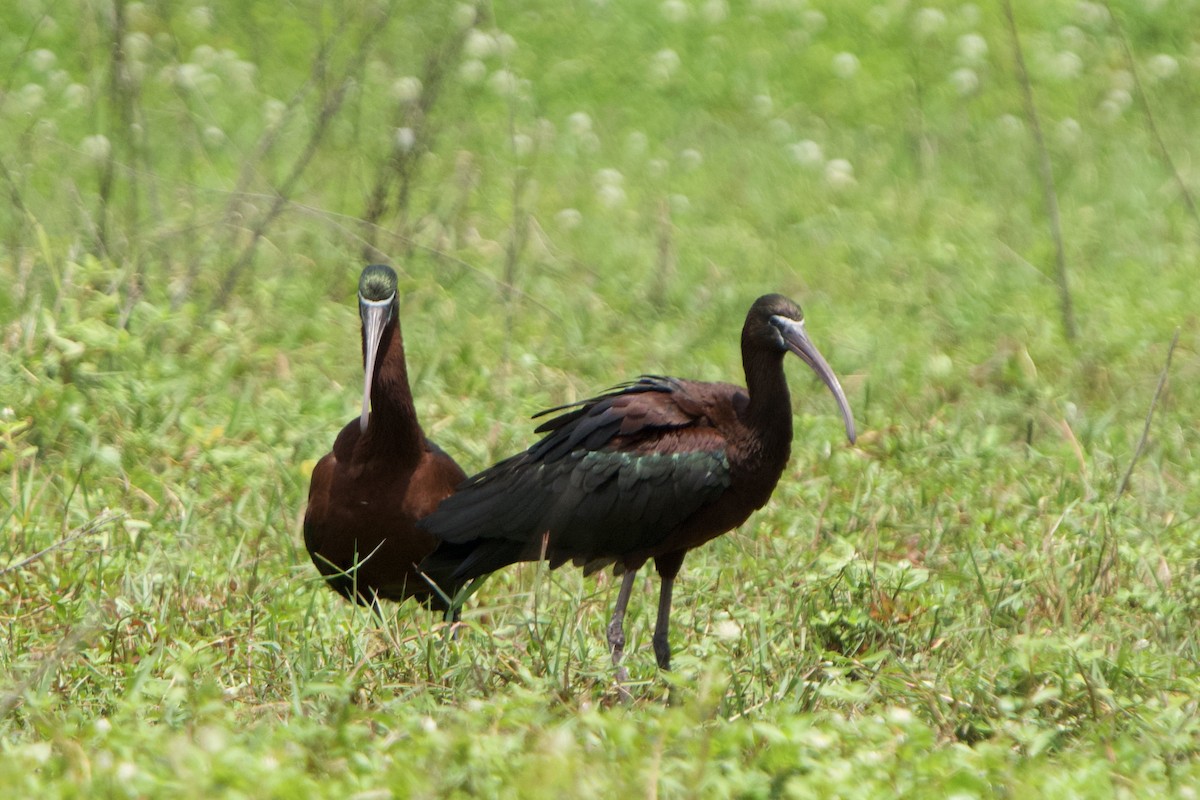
994 592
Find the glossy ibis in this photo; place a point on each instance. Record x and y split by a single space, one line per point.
650 469
382 475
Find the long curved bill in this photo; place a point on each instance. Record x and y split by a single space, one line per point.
798 342
375 314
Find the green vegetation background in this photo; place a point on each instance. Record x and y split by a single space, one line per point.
965 603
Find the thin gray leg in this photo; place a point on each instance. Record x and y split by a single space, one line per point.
616 626
662 627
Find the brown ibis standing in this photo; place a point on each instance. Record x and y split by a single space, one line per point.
650 469
382 475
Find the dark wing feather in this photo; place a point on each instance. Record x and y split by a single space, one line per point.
613 476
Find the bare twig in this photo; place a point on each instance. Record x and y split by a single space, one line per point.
399 169
14 191
89 528
666 253
1141 445
330 105
518 236
251 165
1144 101
344 223
1050 195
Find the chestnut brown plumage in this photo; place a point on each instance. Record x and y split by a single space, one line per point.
649 470
382 475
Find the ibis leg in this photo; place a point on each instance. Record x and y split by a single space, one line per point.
662 627
668 567
616 626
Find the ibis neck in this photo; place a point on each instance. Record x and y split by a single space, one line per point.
393 427
770 410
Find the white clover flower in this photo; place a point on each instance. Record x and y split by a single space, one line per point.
204 55
406 89
273 111
404 139
506 45
137 15
42 60
480 45
188 76
636 144
60 78
807 153
96 148
464 15
213 136
30 97
964 80
1010 124
845 65
609 177
522 145
472 71
1123 79
610 195
814 20
663 66
972 47
839 174
1163 66
242 74
1072 38
675 10
568 219
1069 131
728 630
200 18
939 365
691 158
928 22
1066 65
780 129
137 44
504 83
1092 14
656 167
429 724
126 772
579 123
1110 110
1121 98
680 204
762 105
45 128
879 17
715 11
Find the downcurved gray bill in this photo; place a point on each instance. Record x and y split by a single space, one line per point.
375 314
798 342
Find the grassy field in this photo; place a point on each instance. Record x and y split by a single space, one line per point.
994 593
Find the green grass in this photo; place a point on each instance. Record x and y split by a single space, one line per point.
959 605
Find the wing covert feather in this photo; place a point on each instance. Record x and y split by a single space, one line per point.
613 476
